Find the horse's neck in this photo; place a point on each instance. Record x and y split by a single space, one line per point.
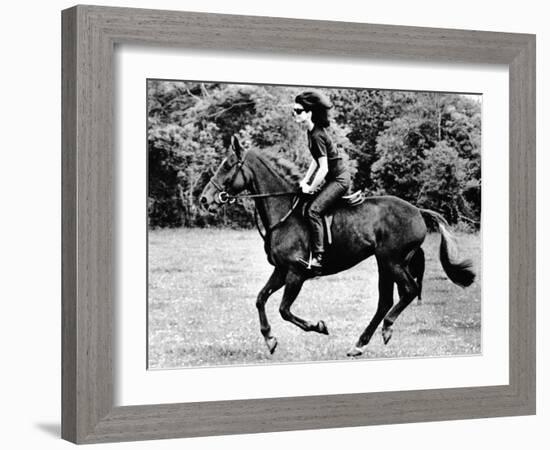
267 181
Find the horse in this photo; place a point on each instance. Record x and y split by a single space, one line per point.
387 227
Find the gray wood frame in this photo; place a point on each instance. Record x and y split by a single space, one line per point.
89 36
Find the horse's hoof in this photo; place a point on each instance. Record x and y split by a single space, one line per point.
386 334
322 328
355 351
271 343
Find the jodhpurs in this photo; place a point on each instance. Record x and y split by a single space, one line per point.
329 195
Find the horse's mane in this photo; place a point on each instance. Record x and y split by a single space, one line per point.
283 167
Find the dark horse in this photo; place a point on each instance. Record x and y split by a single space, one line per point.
387 227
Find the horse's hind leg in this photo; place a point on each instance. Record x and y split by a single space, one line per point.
417 267
294 282
407 289
385 302
275 282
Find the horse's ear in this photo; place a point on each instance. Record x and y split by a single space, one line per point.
236 146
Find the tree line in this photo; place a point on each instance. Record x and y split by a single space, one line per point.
423 147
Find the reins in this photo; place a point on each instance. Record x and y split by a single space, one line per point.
225 197
279 222
269 194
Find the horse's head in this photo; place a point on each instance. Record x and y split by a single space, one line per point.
231 177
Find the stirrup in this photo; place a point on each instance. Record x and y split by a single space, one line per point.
308 265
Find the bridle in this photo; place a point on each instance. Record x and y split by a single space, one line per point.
225 197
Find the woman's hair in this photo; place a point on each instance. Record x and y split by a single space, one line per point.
318 104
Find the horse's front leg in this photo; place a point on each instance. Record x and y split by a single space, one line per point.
294 282
275 282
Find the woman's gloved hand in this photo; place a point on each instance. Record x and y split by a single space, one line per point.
306 188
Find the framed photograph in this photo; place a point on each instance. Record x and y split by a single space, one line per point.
268 230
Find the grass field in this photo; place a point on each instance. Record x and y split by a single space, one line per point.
202 292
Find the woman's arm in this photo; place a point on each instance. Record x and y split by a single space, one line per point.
312 167
321 173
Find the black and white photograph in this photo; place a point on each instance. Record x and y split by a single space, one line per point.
304 224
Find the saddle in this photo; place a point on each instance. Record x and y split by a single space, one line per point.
354 199
350 200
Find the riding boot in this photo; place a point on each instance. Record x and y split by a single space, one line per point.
317 261
315 264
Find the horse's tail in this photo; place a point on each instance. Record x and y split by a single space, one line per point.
459 271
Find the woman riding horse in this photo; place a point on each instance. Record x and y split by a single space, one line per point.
387 227
328 165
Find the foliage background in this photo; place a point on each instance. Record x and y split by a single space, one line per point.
424 147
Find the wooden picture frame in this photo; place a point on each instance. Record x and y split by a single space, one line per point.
89 37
